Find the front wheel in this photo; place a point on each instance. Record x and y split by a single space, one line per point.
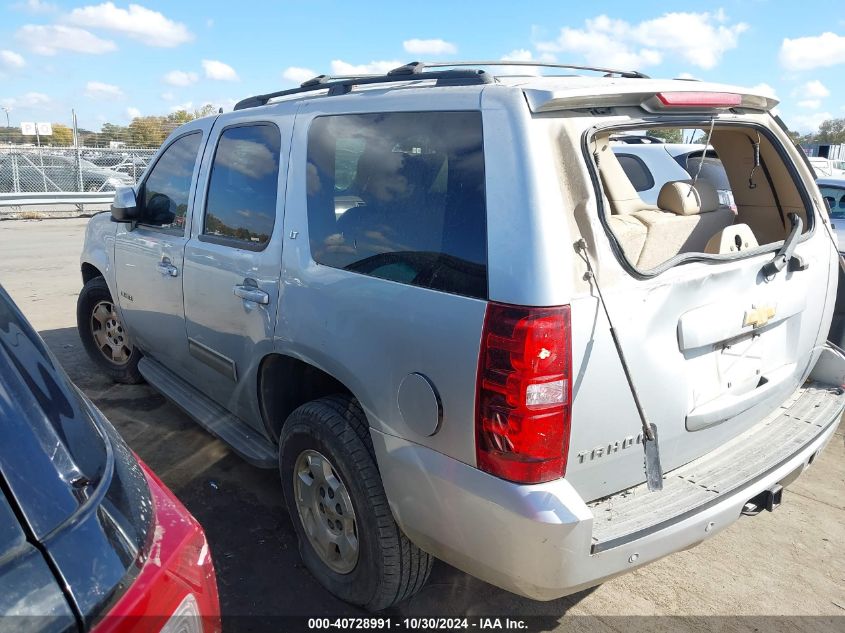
103 334
347 536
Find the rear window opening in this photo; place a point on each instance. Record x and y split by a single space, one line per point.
669 193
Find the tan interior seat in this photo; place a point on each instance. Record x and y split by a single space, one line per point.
688 216
630 233
624 202
732 239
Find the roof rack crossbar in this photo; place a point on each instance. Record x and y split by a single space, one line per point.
344 85
413 71
628 74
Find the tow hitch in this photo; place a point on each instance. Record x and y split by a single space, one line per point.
767 500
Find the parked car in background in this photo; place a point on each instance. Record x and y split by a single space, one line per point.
833 191
827 168
45 171
392 296
89 536
650 165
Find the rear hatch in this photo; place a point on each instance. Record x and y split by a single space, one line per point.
80 496
713 343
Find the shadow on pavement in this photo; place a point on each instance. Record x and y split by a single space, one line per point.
241 508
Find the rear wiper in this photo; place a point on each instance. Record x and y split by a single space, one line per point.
785 255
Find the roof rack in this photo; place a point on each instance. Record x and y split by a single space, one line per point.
629 74
344 85
338 85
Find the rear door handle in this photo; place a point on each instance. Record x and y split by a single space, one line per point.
166 268
249 292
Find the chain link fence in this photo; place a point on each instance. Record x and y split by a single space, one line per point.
82 169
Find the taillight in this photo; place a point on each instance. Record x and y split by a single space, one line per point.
176 589
699 99
524 392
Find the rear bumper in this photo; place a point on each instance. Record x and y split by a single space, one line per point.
543 541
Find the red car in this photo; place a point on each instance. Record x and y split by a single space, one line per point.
90 538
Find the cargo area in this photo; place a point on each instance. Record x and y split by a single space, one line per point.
718 279
680 191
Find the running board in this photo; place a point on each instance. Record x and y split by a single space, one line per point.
242 439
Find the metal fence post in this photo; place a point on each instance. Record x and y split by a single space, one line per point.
78 152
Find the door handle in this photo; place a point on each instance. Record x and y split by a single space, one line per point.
249 292
166 268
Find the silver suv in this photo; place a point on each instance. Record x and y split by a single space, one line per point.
435 301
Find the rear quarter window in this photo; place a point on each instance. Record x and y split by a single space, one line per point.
637 172
400 196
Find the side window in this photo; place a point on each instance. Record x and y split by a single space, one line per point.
400 196
835 199
637 172
241 203
167 188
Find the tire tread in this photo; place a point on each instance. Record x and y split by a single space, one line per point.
406 567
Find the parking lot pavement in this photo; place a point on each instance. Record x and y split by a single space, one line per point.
790 562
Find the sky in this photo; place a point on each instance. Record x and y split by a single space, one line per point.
113 61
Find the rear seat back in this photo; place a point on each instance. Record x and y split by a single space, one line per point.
689 216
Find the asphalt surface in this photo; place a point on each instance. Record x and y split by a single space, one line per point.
787 563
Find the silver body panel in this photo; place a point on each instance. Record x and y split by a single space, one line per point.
371 334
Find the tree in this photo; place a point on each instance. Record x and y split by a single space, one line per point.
62 135
146 131
831 131
669 135
207 110
112 132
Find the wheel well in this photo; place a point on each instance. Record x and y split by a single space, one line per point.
286 383
89 272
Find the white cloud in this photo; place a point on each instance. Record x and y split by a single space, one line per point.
429 47
297 74
807 122
35 6
49 39
699 39
763 89
522 55
167 96
100 90
811 90
819 51
340 67
132 113
11 60
519 55
810 104
35 100
145 25
180 78
209 23
188 106
686 76
218 70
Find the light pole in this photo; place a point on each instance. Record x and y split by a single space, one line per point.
6 110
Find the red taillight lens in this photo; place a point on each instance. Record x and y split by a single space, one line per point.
176 589
524 392
699 99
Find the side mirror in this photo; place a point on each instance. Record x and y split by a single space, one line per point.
124 207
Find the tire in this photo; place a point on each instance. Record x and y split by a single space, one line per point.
103 336
389 568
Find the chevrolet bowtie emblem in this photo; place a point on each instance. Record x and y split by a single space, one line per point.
758 316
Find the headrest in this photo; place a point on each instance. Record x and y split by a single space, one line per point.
682 198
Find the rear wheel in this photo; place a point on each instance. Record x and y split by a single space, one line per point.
347 536
103 334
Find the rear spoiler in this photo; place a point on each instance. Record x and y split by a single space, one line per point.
682 99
